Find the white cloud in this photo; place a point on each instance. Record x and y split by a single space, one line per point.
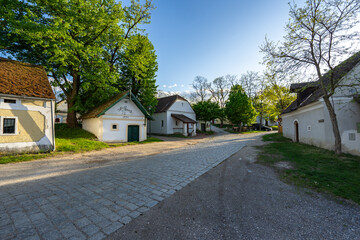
164 86
182 85
172 86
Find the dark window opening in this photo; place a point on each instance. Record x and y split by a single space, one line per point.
176 123
9 101
9 126
162 123
114 126
57 120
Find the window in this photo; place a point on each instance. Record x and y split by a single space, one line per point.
114 127
9 101
176 123
162 123
57 120
9 126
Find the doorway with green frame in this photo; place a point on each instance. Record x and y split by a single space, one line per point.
133 133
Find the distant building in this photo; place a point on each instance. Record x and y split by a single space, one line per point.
61 112
27 108
173 114
307 119
121 119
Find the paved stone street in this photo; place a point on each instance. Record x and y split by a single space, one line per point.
93 203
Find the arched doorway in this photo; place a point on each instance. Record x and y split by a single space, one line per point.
296 125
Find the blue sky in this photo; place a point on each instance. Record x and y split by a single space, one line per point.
211 38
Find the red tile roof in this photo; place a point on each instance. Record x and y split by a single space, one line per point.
24 79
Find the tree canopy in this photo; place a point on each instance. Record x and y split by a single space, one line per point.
82 44
206 110
239 109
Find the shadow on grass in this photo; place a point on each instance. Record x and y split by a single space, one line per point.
314 167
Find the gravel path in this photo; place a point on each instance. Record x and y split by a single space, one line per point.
91 201
240 199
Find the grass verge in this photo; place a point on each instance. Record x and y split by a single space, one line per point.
70 140
314 167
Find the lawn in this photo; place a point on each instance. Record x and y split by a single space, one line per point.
314 167
70 140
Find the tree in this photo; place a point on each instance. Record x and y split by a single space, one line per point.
206 110
239 109
78 41
277 99
201 87
317 36
249 82
259 99
219 91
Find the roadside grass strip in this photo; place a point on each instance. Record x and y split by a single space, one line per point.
70 140
313 167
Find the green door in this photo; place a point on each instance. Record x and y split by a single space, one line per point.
133 133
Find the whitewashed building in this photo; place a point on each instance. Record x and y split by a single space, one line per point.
27 108
307 119
173 114
121 119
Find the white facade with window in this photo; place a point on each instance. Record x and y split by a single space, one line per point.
176 116
124 120
26 124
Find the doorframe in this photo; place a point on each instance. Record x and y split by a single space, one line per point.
127 130
296 129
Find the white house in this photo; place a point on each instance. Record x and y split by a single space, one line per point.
173 114
27 108
121 119
307 119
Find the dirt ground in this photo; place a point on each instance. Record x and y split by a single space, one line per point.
72 162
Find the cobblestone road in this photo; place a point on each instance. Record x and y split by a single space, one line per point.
92 204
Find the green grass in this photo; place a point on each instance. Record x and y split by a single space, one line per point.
314 167
247 132
223 126
70 140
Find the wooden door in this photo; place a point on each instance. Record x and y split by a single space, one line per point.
133 133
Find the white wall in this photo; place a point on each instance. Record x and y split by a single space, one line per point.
321 133
123 113
184 108
93 125
156 126
48 110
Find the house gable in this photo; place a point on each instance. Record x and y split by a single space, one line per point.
181 106
125 107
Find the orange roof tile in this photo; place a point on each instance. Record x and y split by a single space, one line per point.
24 79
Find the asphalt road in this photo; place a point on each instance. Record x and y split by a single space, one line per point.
240 199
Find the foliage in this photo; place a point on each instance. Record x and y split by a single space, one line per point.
79 42
314 167
239 109
206 110
275 100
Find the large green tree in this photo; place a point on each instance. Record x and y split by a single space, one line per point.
206 110
80 42
239 109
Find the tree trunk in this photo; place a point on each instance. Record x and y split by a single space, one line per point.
260 125
334 123
71 115
221 122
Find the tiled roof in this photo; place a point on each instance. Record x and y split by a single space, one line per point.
165 103
101 109
24 79
316 91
